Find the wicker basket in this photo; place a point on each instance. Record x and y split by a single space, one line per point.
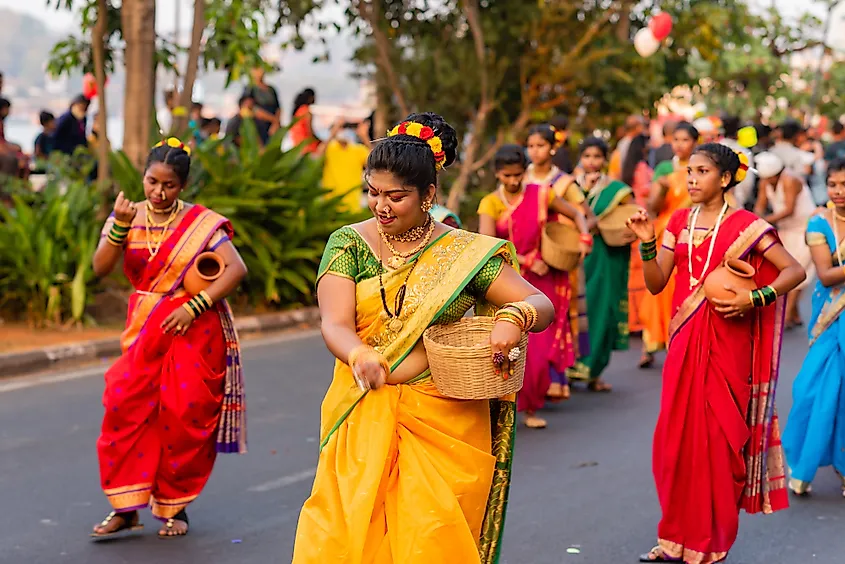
613 226
461 360
561 246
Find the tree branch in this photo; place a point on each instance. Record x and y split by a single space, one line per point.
186 97
370 11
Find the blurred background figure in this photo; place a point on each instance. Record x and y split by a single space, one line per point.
302 129
268 110
346 153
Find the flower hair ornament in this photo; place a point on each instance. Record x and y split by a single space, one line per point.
174 143
742 171
424 133
560 136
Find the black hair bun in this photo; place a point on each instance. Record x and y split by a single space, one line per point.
448 135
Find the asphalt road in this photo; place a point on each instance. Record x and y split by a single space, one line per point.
583 484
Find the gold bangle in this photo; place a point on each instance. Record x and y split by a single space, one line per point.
207 299
528 311
367 350
190 310
510 320
122 223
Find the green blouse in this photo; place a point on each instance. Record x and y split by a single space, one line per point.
347 255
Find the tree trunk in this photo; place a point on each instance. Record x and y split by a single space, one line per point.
373 13
138 23
103 148
186 99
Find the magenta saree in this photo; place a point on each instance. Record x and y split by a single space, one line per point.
522 224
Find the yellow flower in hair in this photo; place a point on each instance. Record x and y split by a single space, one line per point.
175 143
742 171
424 133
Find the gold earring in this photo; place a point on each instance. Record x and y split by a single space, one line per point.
426 206
554 152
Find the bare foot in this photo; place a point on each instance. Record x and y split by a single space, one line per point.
599 385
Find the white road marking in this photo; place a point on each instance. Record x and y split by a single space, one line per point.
52 377
284 481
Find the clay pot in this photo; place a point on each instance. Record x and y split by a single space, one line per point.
207 268
734 272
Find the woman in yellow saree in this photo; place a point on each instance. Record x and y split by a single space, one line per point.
668 195
406 475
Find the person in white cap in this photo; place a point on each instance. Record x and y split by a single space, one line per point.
792 205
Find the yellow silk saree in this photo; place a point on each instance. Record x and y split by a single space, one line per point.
406 475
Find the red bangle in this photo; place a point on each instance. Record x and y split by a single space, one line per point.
586 238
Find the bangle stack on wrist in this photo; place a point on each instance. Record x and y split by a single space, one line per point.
199 304
118 233
521 314
648 250
762 297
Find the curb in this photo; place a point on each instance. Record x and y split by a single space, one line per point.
21 363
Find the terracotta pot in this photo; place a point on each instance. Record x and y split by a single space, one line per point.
207 268
734 272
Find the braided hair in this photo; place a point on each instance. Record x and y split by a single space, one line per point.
410 158
175 157
723 157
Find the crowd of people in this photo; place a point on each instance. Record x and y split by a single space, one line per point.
409 474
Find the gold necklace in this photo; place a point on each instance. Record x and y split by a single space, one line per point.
154 241
398 259
162 211
411 235
693 281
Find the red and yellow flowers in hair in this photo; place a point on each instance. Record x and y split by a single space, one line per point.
175 143
425 133
742 171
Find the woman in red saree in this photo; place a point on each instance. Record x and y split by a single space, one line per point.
175 398
517 212
717 445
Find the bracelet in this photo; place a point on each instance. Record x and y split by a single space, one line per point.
764 296
117 235
125 224
367 350
198 305
528 311
586 238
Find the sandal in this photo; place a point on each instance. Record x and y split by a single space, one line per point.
557 392
599 386
170 531
799 488
534 422
130 524
646 361
656 554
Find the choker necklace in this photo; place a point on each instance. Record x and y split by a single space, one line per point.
398 259
693 281
411 235
155 240
162 211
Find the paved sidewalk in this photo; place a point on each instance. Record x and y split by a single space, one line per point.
58 356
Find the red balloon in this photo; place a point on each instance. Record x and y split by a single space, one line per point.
661 25
89 86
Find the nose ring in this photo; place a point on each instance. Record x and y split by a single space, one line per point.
694 182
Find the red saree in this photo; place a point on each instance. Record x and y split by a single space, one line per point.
171 403
522 224
717 444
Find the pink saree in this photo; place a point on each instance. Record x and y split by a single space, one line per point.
522 224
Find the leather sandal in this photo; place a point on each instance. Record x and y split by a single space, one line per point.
130 524
170 530
656 554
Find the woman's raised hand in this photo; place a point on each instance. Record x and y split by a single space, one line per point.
642 226
124 209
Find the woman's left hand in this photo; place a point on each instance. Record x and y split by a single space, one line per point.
585 249
178 321
505 338
737 306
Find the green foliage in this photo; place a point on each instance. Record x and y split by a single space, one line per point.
47 241
281 216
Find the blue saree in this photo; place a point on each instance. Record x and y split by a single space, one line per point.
815 431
